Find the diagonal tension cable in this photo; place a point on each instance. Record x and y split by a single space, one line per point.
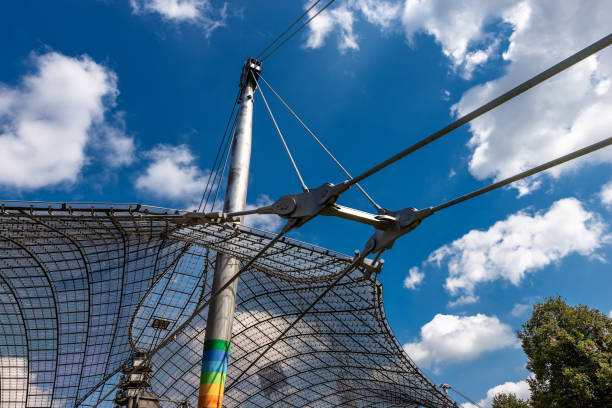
228 149
358 260
288 28
378 207
541 77
214 166
527 173
342 274
295 167
199 310
297 31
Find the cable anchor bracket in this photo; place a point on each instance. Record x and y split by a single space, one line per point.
398 223
300 208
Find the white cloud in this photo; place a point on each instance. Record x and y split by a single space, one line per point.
199 12
522 243
459 28
610 314
564 113
379 12
341 17
266 222
520 389
173 174
414 278
450 338
47 121
520 309
606 194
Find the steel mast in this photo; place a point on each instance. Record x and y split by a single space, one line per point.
221 311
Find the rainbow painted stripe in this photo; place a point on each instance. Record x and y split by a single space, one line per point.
214 369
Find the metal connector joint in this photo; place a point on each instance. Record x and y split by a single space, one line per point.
250 66
405 221
307 205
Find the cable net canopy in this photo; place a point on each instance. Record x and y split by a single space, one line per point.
81 289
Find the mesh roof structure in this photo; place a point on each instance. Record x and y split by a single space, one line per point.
80 287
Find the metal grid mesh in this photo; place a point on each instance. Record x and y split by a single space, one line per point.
80 288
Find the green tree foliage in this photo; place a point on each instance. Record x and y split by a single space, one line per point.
569 352
508 401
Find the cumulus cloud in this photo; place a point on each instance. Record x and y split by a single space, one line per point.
520 244
451 338
519 309
520 389
415 278
340 17
173 174
459 27
200 12
606 194
561 115
379 12
47 121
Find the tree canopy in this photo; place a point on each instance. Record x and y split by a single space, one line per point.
508 401
568 350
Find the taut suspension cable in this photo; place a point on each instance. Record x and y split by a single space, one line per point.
370 199
295 167
525 86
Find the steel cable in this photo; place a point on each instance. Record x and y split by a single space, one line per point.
228 149
243 269
527 173
344 273
229 121
295 167
297 31
525 86
378 207
288 28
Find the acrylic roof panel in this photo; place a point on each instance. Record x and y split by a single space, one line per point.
81 285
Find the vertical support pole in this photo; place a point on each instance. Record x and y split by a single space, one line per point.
221 310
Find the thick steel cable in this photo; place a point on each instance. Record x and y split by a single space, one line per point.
288 28
297 31
552 163
538 169
344 273
182 327
462 395
525 86
378 207
295 167
229 120
106 396
227 155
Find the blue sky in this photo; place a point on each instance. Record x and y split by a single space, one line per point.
118 101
